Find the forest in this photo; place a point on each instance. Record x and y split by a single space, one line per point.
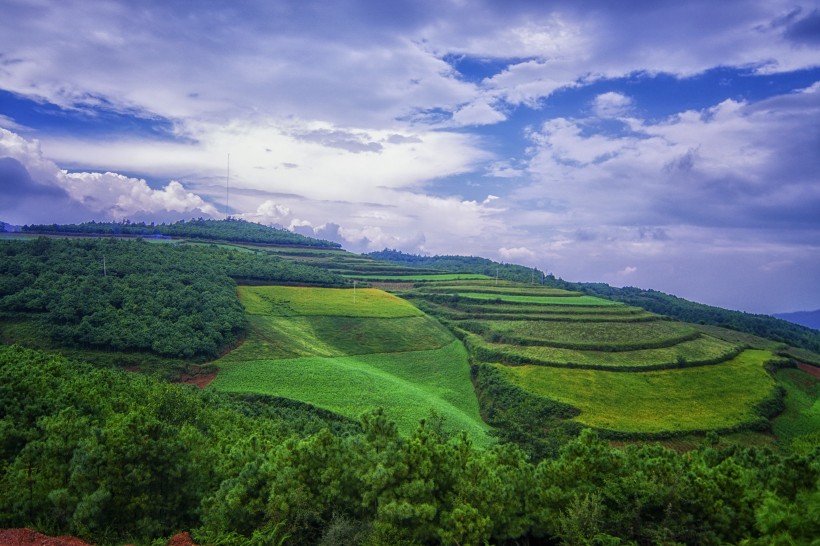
132 295
115 457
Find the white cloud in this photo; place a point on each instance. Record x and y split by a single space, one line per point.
611 105
517 254
85 195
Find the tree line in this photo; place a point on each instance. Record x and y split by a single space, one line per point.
113 457
233 230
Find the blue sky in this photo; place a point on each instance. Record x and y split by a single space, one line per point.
666 145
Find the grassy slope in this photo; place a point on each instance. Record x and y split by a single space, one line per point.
687 399
408 385
317 346
799 425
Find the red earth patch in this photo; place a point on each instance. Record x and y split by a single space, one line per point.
813 371
29 537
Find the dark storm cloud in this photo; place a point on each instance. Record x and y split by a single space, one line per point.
16 183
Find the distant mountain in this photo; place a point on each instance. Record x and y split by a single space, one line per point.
809 319
8 227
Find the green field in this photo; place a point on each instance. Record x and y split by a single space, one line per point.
585 335
544 300
407 385
710 397
798 427
521 290
318 346
273 337
697 351
297 301
412 278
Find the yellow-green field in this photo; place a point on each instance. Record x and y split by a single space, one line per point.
349 302
703 398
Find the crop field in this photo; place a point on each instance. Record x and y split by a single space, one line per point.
585 335
511 290
318 346
413 278
407 385
295 301
545 300
703 398
701 350
274 337
799 425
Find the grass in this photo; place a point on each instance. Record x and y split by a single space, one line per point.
411 278
272 337
580 335
545 300
521 290
407 385
698 350
317 346
705 398
800 422
299 301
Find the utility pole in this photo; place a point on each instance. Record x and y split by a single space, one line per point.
354 291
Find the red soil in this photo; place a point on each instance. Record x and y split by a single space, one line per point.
199 379
27 537
813 371
181 539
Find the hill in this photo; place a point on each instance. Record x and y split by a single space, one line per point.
366 402
809 319
651 300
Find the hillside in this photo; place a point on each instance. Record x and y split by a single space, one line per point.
387 401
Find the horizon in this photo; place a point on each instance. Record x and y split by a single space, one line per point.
665 146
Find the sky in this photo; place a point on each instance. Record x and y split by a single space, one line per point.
660 144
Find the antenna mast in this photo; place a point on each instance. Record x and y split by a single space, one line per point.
227 190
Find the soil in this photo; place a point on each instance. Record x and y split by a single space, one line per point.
813 371
199 378
29 537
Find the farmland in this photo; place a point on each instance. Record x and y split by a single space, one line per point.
627 371
322 347
657 401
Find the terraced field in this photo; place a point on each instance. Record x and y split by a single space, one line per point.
627 370
323 347
704 398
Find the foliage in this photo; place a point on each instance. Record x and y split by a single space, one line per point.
215 230
175 301
116 457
